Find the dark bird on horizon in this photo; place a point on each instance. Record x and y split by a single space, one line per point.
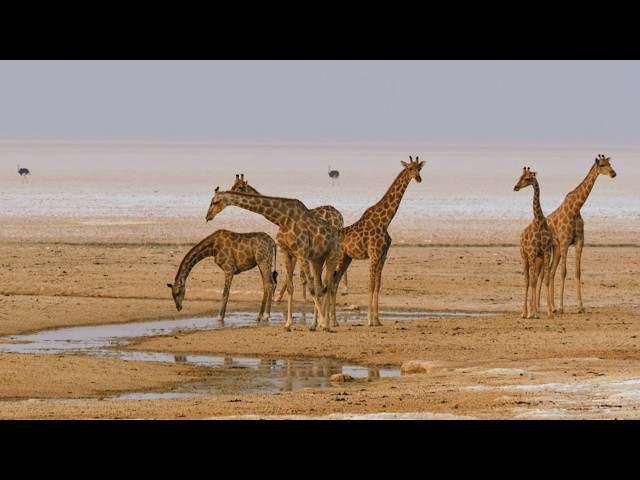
23 171
334 174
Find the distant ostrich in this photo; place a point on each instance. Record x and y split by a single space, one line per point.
334 174
23 172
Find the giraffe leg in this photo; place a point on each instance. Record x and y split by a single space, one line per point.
228 277
539 289
343 265
268 285
330 286
534 281
545 274
346 284
314 297
285 285
316 269
303 281
552 275
579 245
376 289
289 284
563 276
525 272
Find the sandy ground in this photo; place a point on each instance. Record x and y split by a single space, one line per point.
583 366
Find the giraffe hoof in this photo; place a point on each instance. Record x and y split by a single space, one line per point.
523 315
580 309
287 328
312 328
326 329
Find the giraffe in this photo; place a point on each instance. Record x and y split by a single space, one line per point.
368 237
303 236
234 253
567 227
325 212
536 249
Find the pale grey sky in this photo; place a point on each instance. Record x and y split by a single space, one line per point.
470 101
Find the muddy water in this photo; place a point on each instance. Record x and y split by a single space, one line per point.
254 374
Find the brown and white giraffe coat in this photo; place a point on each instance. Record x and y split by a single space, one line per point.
368 237
536 249
234 253
567 227
311 240
325 212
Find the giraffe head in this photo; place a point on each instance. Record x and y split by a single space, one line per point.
216 206
239 184
177 290
414 168
528 178
242 185
604 167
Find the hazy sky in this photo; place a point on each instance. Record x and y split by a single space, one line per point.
550 102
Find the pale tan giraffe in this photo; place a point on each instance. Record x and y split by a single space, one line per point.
368 237
536 250
567 227
303 236
325 212
234 253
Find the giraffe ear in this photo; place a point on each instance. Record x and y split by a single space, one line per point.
404 164
422 163
216 190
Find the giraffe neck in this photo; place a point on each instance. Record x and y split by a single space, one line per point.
205 248
387 206
576 198
538 216
275 209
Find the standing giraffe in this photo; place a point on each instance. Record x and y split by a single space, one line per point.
567 227
325 212
312 241
536 249
368 237
234 253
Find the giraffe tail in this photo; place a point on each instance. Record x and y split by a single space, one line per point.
274 275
